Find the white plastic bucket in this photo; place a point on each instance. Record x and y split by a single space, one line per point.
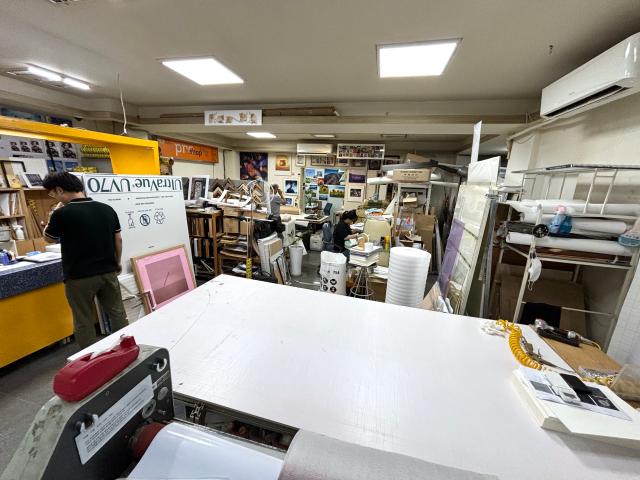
295 254
333 273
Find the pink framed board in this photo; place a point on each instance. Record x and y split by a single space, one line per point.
163 276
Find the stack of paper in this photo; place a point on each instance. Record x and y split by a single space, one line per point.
604 416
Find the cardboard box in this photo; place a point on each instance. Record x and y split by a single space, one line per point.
561 293
424 228
24 246
230 225
274 247
39 244
412 176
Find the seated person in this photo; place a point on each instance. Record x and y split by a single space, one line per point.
343 232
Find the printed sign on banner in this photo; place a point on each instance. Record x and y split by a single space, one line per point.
150 209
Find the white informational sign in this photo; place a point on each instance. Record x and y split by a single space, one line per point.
475 146
233 117
150 209
110 422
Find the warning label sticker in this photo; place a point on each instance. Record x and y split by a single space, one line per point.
107 425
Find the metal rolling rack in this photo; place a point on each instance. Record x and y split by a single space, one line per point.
609 172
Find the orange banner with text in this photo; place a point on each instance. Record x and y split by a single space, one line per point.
187 151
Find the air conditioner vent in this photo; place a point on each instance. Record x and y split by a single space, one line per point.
63 2
601 95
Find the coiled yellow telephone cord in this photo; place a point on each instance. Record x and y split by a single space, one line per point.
515 336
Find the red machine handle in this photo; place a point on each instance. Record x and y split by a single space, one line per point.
85 375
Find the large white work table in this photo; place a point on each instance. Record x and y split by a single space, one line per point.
420 383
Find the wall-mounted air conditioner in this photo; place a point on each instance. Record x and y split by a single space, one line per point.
315 149
612 75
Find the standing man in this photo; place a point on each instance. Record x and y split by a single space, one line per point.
89 232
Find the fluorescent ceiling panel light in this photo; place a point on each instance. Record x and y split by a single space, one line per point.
203 71
324 135
415 59
46 74
261 135
76 83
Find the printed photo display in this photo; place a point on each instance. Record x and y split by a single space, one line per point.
355 194
357 176
291 186
198 187
283 164
254 166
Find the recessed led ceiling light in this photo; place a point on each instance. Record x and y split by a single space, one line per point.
261 135
203 71
76 83
324 135
46 74
415 59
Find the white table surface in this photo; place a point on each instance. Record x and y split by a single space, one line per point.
411 381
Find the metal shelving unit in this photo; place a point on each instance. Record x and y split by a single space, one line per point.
608 172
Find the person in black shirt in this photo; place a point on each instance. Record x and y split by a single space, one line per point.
343 232
89 233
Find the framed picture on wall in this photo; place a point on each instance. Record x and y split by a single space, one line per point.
342 162
283 164
254 166
301 161
291 186
290 200
375 164
355 193
336 191
358 163
357 176
322 160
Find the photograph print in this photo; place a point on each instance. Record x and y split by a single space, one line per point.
199 187
355 194
357 176
283 164
291 186
254 166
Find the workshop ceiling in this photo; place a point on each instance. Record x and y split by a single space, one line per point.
291 51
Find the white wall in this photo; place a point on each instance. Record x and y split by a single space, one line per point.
183 168
605 135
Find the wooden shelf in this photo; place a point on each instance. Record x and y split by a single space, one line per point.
8 190
359 158
7 217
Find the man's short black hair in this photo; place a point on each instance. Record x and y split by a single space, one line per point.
65 180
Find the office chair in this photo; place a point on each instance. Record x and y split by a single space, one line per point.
327 237
327 211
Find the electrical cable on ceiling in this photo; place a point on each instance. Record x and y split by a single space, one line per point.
124 112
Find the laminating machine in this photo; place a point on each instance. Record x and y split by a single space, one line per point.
113 417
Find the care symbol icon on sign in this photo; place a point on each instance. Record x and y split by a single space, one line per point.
145 220
130 221
159 216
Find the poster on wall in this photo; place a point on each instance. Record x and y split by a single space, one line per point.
254 166
333 176
150 209
283 164
355 194
357 176
336 192
291 186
